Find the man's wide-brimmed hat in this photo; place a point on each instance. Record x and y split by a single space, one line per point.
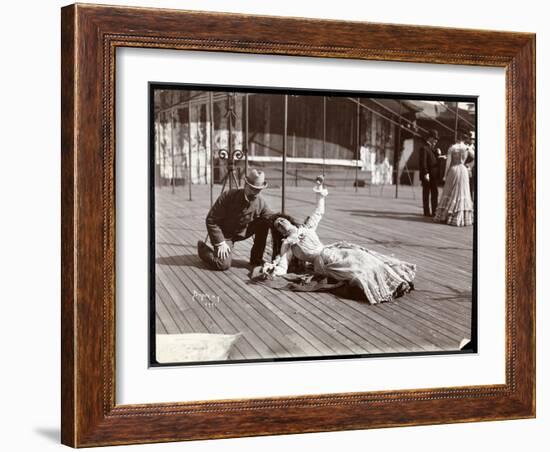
256 179
433 133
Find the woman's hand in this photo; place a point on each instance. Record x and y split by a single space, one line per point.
320 187
268 268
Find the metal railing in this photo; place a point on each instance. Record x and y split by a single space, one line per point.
295 175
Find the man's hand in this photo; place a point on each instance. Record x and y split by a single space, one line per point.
222 250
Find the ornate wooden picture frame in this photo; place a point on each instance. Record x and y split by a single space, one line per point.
90 37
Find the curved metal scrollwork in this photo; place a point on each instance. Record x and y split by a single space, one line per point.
236 154
231 155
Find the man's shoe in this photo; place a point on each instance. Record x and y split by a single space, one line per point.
202 250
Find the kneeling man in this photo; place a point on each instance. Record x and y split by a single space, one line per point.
237 215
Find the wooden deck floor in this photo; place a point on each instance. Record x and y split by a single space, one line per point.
436 316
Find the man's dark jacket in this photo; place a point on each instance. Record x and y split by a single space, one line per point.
429 163
231 214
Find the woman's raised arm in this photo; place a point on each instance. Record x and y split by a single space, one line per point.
313 220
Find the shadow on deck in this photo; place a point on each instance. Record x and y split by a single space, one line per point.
435 317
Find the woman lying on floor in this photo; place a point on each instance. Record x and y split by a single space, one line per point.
381 278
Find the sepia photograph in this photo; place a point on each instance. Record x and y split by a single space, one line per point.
291 224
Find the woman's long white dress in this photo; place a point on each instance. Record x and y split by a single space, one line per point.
382 278
455 206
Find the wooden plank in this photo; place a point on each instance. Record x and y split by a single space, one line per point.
322 324
165 300
427 327
239 281
309 328
167 322
193 319
401 330
365 328
344 324
205 323
264 329
213 324
446 328
450 323
446 309
159 326
447 262
444 236
300 341
339 329
238 316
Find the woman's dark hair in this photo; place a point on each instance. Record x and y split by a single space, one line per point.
276 237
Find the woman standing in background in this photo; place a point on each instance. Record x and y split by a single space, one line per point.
456 206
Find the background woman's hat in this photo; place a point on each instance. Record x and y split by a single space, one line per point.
433 134
256 179
463 132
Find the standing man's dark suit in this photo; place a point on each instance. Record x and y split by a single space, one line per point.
430 173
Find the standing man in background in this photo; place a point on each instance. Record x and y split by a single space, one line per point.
429 173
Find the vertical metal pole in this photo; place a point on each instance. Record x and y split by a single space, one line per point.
230 140
199 116
189 152
397 150
357 144
162 116
246 135
211 110
172 119
284 154
157 130
324 130
456 122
